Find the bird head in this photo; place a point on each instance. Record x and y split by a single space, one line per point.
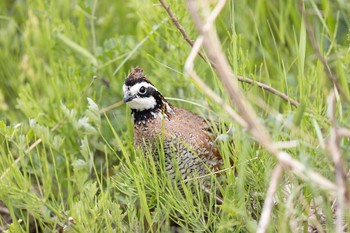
139 93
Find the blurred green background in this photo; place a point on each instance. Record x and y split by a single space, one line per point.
63 61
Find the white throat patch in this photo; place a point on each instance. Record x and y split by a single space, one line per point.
141 104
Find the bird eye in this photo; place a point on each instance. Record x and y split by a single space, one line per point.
142 90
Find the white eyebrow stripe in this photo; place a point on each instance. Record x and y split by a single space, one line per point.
135 88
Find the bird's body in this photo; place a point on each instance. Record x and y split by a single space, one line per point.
186 137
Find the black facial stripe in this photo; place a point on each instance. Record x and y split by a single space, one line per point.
149 92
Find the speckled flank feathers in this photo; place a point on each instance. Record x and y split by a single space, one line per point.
186 135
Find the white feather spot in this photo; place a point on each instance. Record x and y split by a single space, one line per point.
168 108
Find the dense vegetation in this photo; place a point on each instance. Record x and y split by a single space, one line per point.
67 161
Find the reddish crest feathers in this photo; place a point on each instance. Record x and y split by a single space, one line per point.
136 76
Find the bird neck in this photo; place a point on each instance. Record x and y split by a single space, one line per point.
160 110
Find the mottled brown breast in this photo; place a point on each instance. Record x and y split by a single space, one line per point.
186 128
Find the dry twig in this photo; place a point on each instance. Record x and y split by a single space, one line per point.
343 132
110 107
267 209
240 78
205 88
316 47
208 37
333 147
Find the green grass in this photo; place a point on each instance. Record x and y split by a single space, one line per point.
62 61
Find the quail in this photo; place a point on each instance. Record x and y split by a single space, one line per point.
186 137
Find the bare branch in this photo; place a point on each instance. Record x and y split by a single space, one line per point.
110 107
333 147
305 173
176 23
269 89
204 87
310 33
212 44
267 209
240 78
344 132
